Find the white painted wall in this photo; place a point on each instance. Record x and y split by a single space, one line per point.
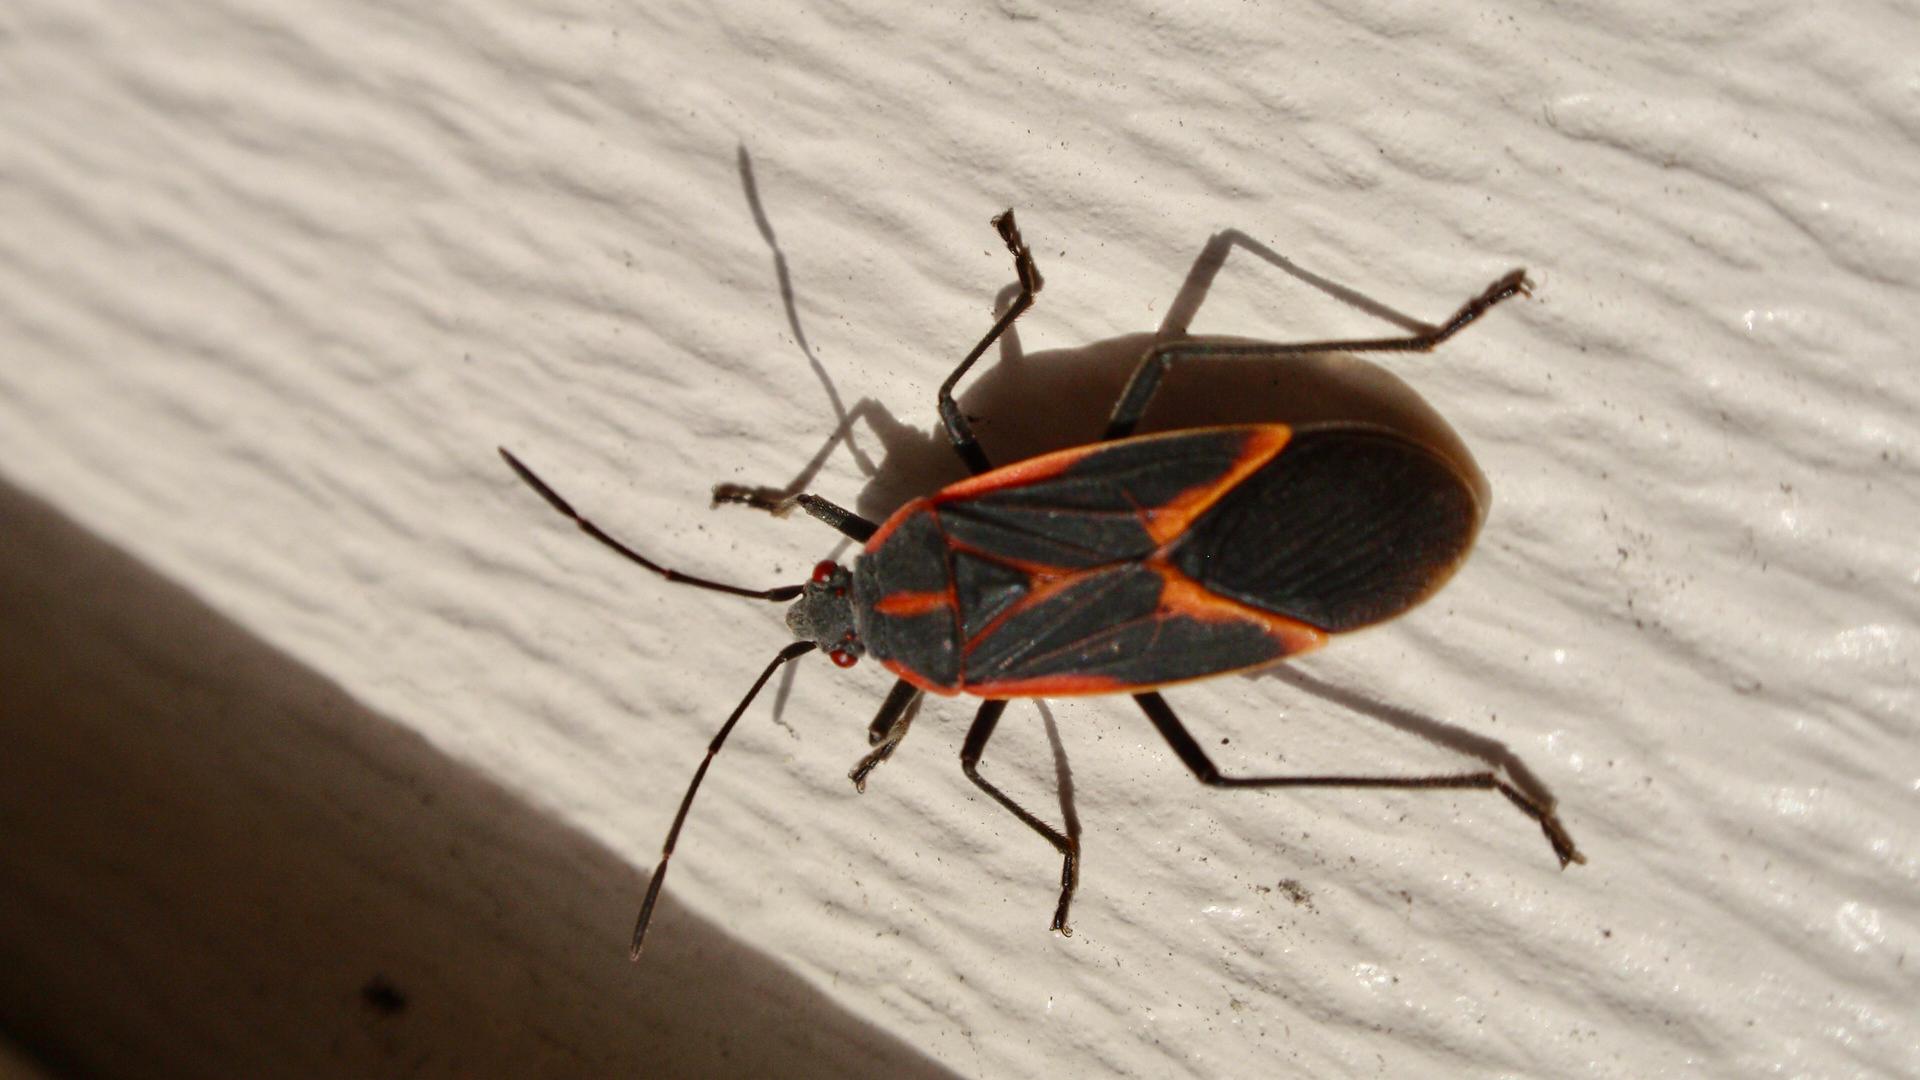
275 279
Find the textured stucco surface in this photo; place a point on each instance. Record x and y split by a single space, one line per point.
276 278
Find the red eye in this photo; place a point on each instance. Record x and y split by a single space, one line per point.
842 657
825 572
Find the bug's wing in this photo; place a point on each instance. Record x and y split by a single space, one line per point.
1347 527
1104 503
1053 567
1123 627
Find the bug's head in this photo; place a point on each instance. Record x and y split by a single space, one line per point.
824 613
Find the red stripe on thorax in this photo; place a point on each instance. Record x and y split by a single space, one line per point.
909 604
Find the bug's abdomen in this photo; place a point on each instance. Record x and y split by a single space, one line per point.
1347 526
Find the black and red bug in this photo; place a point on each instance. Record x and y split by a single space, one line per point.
1124 566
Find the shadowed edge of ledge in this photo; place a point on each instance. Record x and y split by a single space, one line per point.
216 861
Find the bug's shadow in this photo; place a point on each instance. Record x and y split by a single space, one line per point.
1062 774
1080 386
1025 404
845 420
1494 753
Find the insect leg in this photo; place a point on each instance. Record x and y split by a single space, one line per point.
888 728
1068 846
850 524
1189 752
958 430
1153 367
784 592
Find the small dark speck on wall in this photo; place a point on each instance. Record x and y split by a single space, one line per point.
379 995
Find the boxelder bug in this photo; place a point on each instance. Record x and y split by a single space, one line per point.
1124 565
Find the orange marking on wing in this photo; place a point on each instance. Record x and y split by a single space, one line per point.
1053 686
1018 474
888 526
1184 596
909 604
1167 522
917 679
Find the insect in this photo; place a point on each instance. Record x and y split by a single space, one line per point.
1123 566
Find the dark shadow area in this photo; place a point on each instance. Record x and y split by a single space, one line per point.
1062 774
215 862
